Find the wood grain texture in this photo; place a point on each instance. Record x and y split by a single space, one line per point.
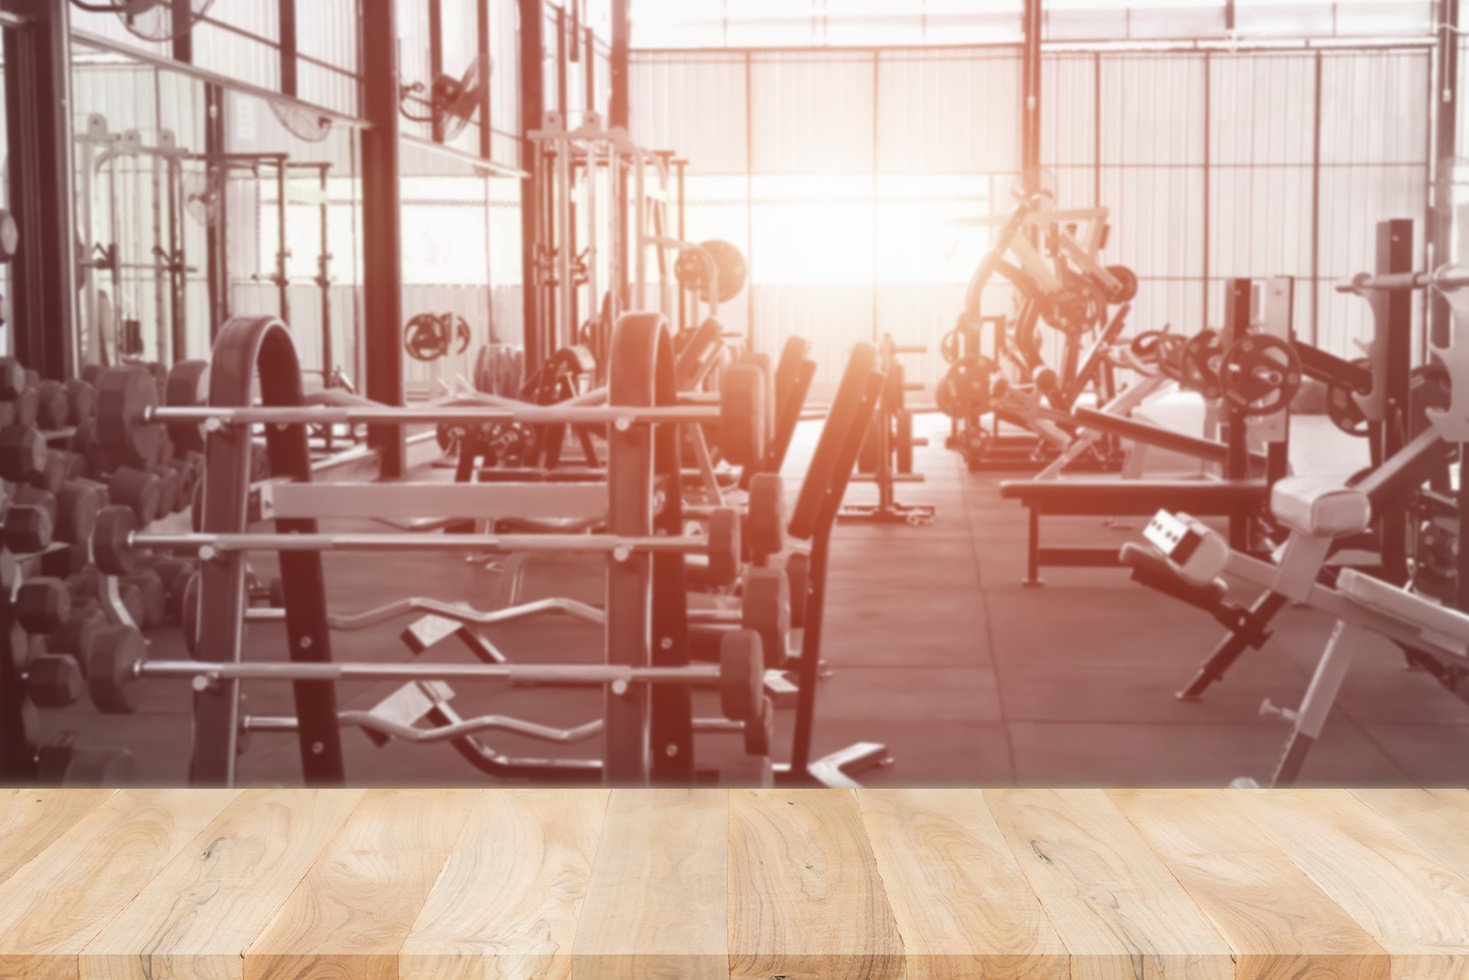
830 884
31 820
668 847
805 896
198 915
1116 907
506 904
58 902
962 904
351 914
1277 921
1412 897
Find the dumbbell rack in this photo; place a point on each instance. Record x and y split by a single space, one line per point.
888 445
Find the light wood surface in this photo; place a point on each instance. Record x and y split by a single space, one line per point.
868 884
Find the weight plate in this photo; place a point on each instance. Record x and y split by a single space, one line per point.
1200 360
1259 375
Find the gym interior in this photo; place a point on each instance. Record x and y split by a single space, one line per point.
973 445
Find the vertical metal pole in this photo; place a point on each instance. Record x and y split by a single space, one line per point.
1394 255
39 136
436 58
620 116
1030 93
1237 464
216 236
289 80
1316 209
532 109
482 46
1446 134
382 229
750 198
563 94
1208 109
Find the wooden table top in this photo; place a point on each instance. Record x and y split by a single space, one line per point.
865 884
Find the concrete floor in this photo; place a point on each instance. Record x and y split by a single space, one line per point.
935 649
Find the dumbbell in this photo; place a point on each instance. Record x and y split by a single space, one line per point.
23 453
765 518
77 506
151 602
63 761
53 471
798 572
765 609
42 607
28 530
26 495
138 490
81 400
53 405
78 635
168 490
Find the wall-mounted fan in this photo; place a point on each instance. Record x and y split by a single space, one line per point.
151 20
449 103
301 121
202 196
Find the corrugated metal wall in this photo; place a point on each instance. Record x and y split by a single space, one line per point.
853 165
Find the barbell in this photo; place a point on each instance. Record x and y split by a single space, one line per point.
123 662
1446 279
118 546
131 423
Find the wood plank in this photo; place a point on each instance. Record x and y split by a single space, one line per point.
1412 898
670 849
199 914
961 902
805 896
57 903
1114 904
352 912
1279 923
1438 819
32 819
507 902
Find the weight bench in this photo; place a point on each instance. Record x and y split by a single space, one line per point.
1238 500
1317 512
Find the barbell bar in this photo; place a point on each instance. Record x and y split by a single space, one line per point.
1446 278
123 661
117 544
130 420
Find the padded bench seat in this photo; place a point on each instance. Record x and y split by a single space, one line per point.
1111 497
1450 626
1108 495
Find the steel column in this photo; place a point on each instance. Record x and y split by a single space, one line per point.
39 135
1030 94
532 109
1446 134
382 289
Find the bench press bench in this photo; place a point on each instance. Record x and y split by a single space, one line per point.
1237 500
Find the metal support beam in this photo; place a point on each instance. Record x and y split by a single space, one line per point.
620 114
290 83
1441 234
1030 96
532 108
382 229
39 135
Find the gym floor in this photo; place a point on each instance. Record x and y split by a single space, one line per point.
935 648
